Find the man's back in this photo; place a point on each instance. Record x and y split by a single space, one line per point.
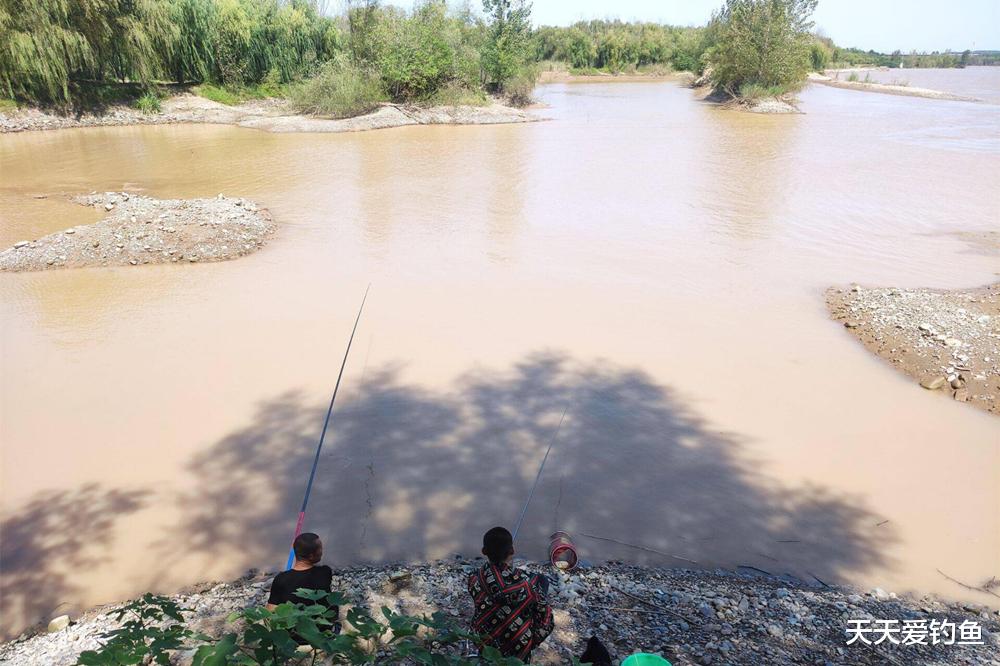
511 612
287 582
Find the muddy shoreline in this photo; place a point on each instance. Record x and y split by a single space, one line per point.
139 230
267 115
948 341
690 617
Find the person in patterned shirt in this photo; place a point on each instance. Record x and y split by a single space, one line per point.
511 612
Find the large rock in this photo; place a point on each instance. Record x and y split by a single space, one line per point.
58 623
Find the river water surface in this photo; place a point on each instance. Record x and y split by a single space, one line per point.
650 263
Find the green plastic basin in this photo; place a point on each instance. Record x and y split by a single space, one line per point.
644 659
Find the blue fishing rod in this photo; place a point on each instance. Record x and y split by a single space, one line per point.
322 436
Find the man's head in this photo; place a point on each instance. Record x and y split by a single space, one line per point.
498 545
308 548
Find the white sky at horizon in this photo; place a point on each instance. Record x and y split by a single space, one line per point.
883 25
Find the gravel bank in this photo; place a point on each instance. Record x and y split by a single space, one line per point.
268 115
139 230
692 617
948 341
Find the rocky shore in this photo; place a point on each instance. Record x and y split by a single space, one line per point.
271 115
947 341
139 230
691 617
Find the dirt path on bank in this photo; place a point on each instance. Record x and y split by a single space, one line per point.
139 230
268 115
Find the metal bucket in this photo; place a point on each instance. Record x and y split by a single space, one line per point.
562 552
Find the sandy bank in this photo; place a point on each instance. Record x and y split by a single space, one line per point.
947 341
767 105
139 230
888 89
692 617
267 115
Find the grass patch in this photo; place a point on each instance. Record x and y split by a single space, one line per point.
339 90
217 94
655 69
751 92
7 105
233 95
455 94
148 103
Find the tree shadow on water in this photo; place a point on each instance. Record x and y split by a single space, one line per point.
412 474
55 535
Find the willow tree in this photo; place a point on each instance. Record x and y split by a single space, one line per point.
46 45
763 44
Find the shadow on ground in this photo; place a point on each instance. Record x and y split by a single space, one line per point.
411 474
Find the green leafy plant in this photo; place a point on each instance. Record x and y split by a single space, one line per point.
149 103
290 634
153 627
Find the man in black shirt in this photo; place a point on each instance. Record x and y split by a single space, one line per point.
305 573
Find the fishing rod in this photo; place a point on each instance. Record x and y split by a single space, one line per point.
322 436
538 476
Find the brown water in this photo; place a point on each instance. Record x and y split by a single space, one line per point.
653 263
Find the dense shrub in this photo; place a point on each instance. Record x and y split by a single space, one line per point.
415 57
340 89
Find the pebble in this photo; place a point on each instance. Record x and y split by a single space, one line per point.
934 384
19 244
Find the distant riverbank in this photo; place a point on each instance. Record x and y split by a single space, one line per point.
272 115
903 89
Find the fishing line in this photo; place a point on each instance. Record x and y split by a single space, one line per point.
319 447
539 475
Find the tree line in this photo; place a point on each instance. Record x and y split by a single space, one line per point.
57 52
52 51
749 48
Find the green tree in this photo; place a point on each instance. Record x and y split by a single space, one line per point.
505 51
47 45
417 58
761 43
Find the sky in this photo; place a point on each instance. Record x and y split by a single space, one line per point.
883 25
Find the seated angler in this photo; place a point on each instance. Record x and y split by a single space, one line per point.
306 573
511 614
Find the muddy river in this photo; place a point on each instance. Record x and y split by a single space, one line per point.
650 263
